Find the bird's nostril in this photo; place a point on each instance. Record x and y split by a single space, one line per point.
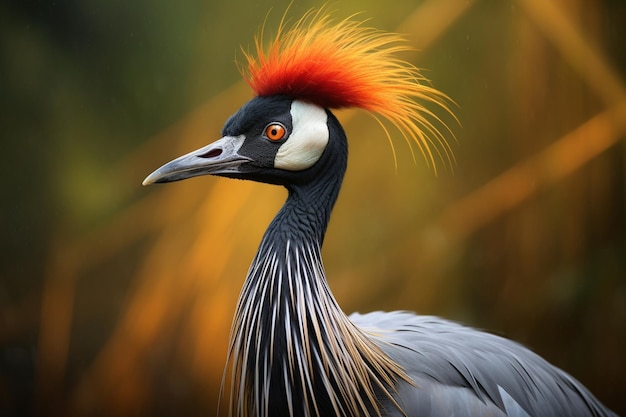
212 153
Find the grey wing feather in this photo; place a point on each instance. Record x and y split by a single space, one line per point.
458 371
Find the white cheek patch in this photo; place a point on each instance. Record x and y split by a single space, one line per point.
308 139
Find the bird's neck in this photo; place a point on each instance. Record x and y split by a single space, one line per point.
293 351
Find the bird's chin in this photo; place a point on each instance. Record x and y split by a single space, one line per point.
266 176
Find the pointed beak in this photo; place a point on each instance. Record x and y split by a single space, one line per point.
220 157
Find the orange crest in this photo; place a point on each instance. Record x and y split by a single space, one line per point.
348 65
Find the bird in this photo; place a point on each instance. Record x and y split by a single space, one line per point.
292 350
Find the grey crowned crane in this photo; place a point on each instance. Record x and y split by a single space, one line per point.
293 352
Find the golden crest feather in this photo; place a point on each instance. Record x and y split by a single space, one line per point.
346 64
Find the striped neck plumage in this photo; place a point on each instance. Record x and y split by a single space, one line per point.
293 352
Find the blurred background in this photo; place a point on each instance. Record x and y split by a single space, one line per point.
116 300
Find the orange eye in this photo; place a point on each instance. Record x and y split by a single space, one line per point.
275 132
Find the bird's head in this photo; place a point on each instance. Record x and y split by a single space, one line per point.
285 134
275 139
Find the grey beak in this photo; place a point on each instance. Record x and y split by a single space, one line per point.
219 157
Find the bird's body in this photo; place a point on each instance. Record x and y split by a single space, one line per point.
293 352
459 371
